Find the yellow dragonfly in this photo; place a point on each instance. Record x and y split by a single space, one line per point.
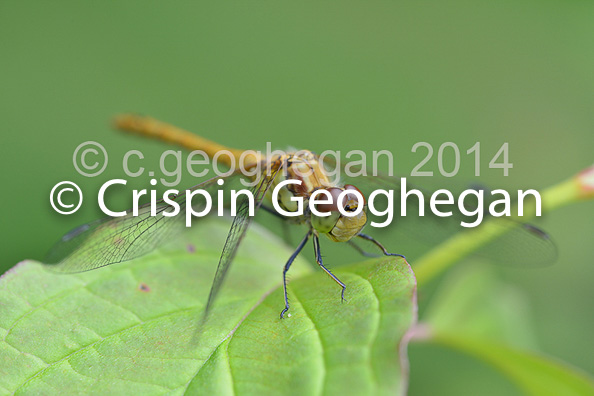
114 240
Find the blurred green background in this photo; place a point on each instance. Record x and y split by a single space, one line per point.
331 75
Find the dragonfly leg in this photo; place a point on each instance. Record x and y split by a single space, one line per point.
287 266
360 249
379 245
318 254
273 212
284 223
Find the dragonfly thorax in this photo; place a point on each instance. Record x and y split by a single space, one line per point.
305 167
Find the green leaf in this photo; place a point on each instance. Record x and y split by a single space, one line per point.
131 327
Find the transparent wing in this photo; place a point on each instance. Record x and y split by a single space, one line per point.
116 239
238 229
517 244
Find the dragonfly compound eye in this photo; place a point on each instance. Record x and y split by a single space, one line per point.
325 224
337 226
350 187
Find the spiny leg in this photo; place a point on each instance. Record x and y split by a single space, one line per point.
361 250
284 223
273 212
287 266
318 253
379 245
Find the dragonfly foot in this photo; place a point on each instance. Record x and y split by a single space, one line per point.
282 314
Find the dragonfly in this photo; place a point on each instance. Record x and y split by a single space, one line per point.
117 239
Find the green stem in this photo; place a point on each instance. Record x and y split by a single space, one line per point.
432 264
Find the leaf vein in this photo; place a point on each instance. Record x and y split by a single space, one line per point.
92 345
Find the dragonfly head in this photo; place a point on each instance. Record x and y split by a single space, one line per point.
338 227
